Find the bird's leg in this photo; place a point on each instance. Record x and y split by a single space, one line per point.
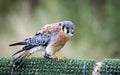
46 56
59 57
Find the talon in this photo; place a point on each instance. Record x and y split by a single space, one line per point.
59 57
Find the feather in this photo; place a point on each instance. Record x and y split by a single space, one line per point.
17 61
18 43
24 49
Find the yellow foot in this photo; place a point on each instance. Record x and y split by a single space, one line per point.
59 57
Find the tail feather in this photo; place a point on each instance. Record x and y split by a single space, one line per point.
17 61
18 52
18 43
25 48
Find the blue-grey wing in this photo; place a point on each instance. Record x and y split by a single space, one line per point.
42 39
37 40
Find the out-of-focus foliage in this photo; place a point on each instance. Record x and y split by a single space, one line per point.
97 25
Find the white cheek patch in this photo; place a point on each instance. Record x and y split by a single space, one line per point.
65 30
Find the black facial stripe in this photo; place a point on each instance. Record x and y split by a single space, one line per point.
63 28
67 30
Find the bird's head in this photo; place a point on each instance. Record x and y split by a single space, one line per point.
68 27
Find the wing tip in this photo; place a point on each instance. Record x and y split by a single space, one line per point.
11 45
18 43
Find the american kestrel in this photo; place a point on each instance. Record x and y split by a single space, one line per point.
50 39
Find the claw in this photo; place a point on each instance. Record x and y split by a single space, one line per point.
59 57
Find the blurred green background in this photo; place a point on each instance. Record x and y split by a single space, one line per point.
97 23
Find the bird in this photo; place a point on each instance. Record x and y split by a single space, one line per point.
49 39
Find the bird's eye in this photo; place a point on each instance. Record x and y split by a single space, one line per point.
67 28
